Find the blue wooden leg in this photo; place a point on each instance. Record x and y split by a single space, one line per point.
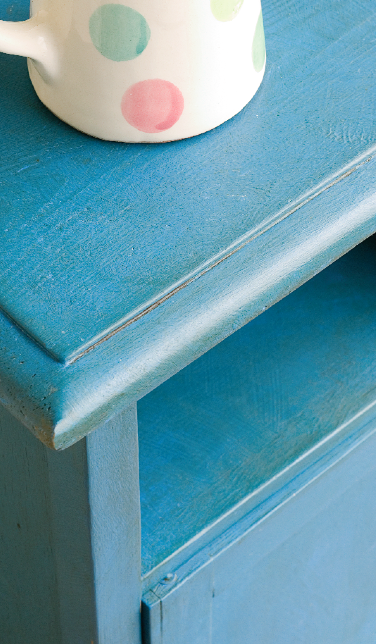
70 537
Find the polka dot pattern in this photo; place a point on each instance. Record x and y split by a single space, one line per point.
152 106
225 10
119 32
258 46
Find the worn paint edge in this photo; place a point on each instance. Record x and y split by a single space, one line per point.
238 245
273 222
279 490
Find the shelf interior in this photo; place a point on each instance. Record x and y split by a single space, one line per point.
244 411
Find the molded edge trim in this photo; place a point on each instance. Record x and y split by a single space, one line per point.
303 497
223 255
262 501
62 403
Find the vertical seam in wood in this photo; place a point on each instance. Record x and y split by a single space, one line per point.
93 566
52 545
161 620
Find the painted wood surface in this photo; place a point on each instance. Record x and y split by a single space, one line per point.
70 537
116 227
214 437
94 232
305 572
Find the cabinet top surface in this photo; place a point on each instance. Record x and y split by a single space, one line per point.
101 239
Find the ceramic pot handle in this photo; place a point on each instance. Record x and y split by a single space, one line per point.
31 38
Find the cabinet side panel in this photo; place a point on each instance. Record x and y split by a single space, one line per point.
28 592
71 526
96 522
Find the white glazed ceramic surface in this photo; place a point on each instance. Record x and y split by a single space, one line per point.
142 70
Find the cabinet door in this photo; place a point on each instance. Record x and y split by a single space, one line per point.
304 573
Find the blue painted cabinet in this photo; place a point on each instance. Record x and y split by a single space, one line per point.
70 537
258 473
188 330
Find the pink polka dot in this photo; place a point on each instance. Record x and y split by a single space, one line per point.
152 105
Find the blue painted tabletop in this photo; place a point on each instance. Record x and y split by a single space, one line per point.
120 264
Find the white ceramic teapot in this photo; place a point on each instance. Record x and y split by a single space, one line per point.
141 70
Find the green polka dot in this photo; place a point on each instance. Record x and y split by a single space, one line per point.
225 10
258 46
119 32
